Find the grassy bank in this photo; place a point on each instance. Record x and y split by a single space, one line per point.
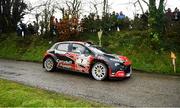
133 44
136 46
30 48
17 95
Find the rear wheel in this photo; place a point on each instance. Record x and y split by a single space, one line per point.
49 64
99 71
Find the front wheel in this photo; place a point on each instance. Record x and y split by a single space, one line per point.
99 71
49 64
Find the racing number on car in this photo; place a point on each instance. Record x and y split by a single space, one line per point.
82 60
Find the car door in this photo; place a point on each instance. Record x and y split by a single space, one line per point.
82 57
61 52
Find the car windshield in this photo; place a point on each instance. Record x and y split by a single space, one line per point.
98 49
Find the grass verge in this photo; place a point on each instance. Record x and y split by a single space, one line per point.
17 95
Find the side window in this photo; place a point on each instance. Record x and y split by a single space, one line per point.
63 47
79 49
88 52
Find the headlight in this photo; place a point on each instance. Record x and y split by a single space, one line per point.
116 64
116 60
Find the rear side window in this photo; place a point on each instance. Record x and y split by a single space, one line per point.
63 47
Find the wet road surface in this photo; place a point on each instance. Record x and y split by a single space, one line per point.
140 90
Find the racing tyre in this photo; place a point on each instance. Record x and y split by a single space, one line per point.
49 64
99 71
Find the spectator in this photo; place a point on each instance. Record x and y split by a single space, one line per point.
144 19
56 20
114 21
41 27
85 22
121 16
176 14
36 28
169 15
19 30
23 29
168 20
30 29
117 14
52 26
120 19
98 23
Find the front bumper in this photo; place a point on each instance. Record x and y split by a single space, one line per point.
122 73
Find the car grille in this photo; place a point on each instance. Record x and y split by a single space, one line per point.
127 69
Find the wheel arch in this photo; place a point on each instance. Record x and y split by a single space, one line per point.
101 61
47 56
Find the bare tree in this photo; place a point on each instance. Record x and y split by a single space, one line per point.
96 5
140 6
139 3
60 7
105 6
46 10
74 7
146 2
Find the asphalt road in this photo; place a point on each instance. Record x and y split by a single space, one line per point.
140 90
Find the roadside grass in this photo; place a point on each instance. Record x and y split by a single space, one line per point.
18 95
36 50
30 48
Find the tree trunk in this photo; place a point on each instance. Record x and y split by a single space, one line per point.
11 11
104 7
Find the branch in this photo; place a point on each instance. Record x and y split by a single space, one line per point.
140 6
78 5
135 3
69 8
32 8
146 2
95 3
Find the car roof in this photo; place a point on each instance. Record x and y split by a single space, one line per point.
80 42
77 42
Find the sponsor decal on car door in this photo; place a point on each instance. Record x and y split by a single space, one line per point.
63 61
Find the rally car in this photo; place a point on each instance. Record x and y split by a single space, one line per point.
87 58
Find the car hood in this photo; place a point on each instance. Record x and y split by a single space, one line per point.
123 59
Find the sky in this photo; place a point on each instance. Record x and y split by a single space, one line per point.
129 10
126 6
